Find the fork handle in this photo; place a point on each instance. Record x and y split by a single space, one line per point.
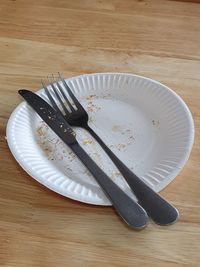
157 208
132 213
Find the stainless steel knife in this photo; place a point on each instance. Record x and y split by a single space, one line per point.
132 213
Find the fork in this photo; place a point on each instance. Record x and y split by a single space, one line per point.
161 211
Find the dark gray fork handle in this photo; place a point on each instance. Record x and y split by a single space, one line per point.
132 213
157 208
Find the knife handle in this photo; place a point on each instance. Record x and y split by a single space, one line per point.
161 211
132 213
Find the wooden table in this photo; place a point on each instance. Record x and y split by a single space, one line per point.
157 39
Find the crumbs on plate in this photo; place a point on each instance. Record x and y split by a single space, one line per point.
87 141
120 129
156 123
55 149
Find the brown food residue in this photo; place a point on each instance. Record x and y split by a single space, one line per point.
46 148
126 132
116 128
90 97
40 131
121 146
50 145
87 141
114 175
92 108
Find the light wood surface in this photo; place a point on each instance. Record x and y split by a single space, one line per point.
157 39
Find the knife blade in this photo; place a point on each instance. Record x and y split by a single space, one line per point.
130 211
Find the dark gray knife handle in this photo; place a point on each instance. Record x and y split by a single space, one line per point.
132 213
157 208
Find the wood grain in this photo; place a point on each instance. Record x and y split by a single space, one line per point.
157 39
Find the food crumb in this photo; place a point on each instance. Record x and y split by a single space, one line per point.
90 109
131 137
121 146
87 141
116 128
40 131
90 97
156 123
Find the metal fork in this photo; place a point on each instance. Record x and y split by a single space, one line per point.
157 208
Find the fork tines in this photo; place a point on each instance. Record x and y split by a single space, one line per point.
56 90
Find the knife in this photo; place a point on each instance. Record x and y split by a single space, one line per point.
131 212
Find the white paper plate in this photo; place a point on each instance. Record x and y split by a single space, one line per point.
145 123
